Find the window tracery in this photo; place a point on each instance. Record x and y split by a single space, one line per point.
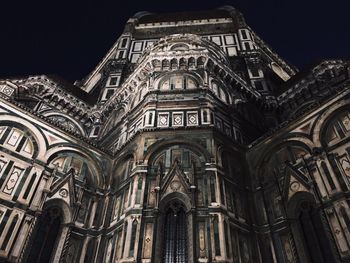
17 140
65 122
63 163
185 157
178 82
338 129
124 167
220 91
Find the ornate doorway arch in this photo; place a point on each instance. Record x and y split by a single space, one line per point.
174 229
175 234
309 230
46 236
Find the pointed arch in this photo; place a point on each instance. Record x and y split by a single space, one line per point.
97 176
308 227
122 169
321 124
181 142
67 121
269 149
174 223
49 231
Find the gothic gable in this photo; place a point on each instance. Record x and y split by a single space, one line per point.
175 181
64 188
294 181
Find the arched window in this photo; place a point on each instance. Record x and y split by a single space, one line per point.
292 154
124 167
66 123
338 128
178 82
185 157
65 161
175 235
17 140
220 91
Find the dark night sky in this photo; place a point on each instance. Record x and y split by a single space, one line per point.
69 38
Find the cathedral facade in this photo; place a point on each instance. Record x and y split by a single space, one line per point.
191 141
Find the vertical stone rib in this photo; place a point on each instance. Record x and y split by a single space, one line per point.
65 246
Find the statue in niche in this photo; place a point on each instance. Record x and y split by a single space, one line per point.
277 203
82 209
160 173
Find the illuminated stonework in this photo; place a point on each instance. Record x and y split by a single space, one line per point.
191 141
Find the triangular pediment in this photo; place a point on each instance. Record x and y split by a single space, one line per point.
298 173
64 188
294 181
175 181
